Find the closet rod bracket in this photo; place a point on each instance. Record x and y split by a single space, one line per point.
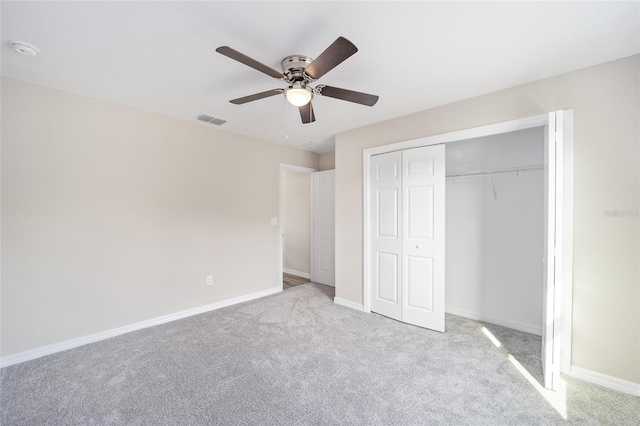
493 186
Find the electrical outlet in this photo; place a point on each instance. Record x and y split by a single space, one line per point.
209 279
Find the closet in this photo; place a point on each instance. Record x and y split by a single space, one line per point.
495 229
501 189
493 216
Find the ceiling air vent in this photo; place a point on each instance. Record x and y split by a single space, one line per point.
211 119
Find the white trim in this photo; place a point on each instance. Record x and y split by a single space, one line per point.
476 132
311 219
610 382
8 360
297 273
567 243
348 304
366 212
488 130
302 169
527 328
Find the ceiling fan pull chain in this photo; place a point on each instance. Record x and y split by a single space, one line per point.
286 120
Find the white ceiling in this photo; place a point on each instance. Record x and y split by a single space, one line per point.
160 56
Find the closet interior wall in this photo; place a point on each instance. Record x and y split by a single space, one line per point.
494 226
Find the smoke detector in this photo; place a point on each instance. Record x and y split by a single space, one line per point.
24 47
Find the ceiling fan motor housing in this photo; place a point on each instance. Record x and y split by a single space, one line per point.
293 68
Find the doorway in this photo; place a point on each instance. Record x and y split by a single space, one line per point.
296 225
557 230
307 226
494 215
495 235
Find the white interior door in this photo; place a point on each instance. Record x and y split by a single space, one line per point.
386 234
407 205
324 271
552 273
423 171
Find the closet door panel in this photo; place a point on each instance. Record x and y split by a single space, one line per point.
423 236
552 272
420 270
388 277
420 201
386 234
387 213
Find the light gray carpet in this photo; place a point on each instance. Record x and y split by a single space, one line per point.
296 358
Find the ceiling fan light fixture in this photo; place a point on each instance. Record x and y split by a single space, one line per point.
298 95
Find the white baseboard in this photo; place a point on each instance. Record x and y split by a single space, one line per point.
348 304
610 382
8 360
296 273
527 328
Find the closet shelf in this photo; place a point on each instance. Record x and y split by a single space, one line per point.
517 170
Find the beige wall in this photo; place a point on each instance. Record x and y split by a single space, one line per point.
111 215
606 289
327 161
296 204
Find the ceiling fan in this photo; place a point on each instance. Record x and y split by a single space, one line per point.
299 72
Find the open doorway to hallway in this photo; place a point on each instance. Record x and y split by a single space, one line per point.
296 220
290 281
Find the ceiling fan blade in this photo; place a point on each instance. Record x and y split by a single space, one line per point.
306 113
333 56
348 95
256 96
242 58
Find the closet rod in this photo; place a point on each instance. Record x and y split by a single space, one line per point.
495 171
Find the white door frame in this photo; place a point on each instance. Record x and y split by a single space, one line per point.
567 219
309 170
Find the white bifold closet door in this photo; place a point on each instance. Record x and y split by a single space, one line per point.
407 235
552 258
